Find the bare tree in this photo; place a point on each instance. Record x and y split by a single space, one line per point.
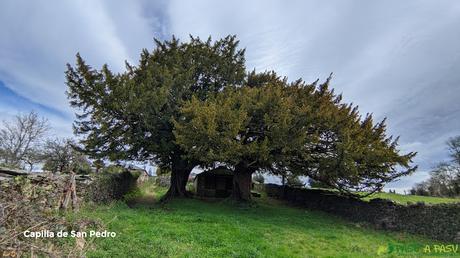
19 137
454 149
445 177
61 156
34 156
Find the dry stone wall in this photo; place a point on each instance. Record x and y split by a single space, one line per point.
440 221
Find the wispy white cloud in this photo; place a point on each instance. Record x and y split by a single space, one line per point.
39 38
397 59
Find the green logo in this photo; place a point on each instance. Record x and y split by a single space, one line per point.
404 249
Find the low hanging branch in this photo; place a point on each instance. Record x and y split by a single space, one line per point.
69 195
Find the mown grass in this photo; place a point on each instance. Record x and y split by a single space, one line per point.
267 228
404 199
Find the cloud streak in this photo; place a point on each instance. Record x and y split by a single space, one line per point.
39 38
396 59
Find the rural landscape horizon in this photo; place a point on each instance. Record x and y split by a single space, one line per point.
230 129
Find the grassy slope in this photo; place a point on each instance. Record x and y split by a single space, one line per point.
403 199
194 228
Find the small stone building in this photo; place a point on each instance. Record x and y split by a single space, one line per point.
216 183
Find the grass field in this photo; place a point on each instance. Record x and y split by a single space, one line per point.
404 199
268 228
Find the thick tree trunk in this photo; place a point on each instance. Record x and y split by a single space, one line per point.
178 183
242 181
180 172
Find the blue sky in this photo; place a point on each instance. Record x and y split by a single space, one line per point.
396 59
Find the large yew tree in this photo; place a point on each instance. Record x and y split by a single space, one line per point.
345 150
247 128
296 128
129 115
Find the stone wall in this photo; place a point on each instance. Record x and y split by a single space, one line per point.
98 188
107 187
30 200
440 221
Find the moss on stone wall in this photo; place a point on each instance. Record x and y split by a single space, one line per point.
109 187
439 221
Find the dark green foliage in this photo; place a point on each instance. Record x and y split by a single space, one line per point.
99 165
80 164
113 169
247 128
317 184
189 104
162 171
108 187
231 127
128 115
294 181
344 150
292 129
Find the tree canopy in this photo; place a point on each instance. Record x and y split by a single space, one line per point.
129 115
192 103
347 151
303 129
247 128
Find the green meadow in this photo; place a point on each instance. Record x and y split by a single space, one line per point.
405 199
266 228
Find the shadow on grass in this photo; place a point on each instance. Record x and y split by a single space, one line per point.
222 228
270 214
